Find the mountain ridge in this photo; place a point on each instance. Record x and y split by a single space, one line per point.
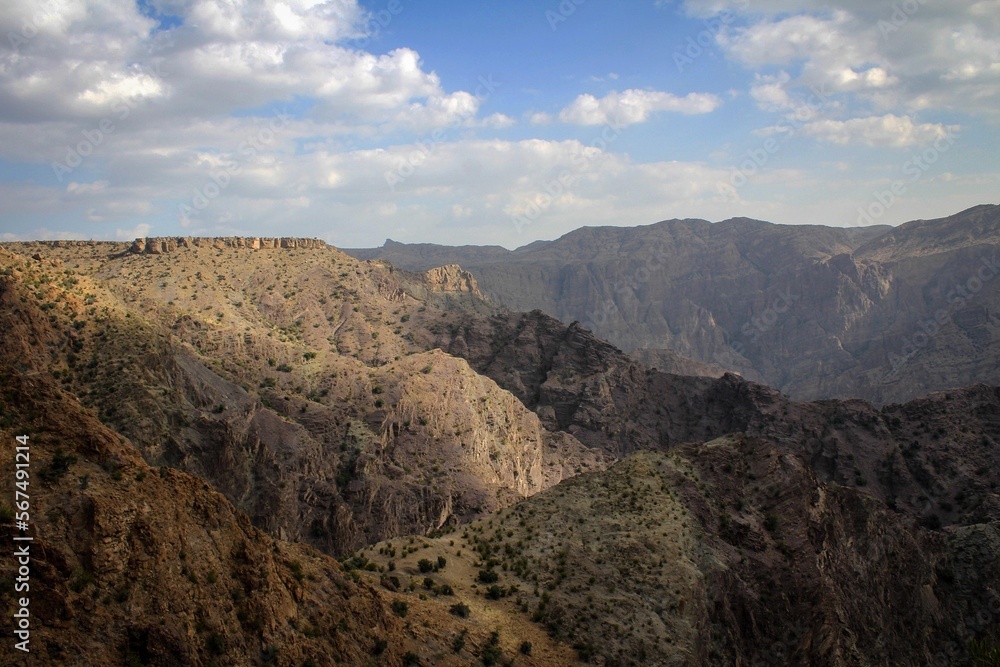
818 312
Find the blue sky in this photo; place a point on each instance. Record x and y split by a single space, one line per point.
489 122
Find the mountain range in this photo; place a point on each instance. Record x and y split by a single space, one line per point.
267 451
879 313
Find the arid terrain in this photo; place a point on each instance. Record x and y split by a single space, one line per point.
880 313
266 451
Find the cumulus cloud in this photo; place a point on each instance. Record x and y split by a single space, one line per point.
889 130
254 116
894 57
141 230
633 106
78 60
540 118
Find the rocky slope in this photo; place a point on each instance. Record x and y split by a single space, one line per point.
882 314
308 406
726 553
339 404
934 457
137 565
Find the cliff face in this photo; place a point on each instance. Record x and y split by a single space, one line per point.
137 565
161 245
932 458
309 407
873 313
452 278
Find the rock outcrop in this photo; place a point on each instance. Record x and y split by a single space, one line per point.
905 455
161 245
452 278
338 431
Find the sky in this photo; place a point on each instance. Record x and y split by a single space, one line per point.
489 121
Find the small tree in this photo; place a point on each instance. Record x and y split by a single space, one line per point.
400 607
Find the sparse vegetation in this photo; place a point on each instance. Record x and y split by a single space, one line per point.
400 607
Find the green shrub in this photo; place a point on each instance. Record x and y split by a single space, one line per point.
400 607
488 576
58 466
460 610
80 579
491 652
984 653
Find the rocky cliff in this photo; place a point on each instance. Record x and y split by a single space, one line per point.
132 564
310 408
160 245
932 458
882 314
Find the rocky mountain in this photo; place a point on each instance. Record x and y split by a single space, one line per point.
286 377
282 394
132 564
933 458
884 314
730 552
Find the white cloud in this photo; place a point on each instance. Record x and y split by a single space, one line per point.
141 230
498 121
893 57
540 118
224 57
889 130
633 106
